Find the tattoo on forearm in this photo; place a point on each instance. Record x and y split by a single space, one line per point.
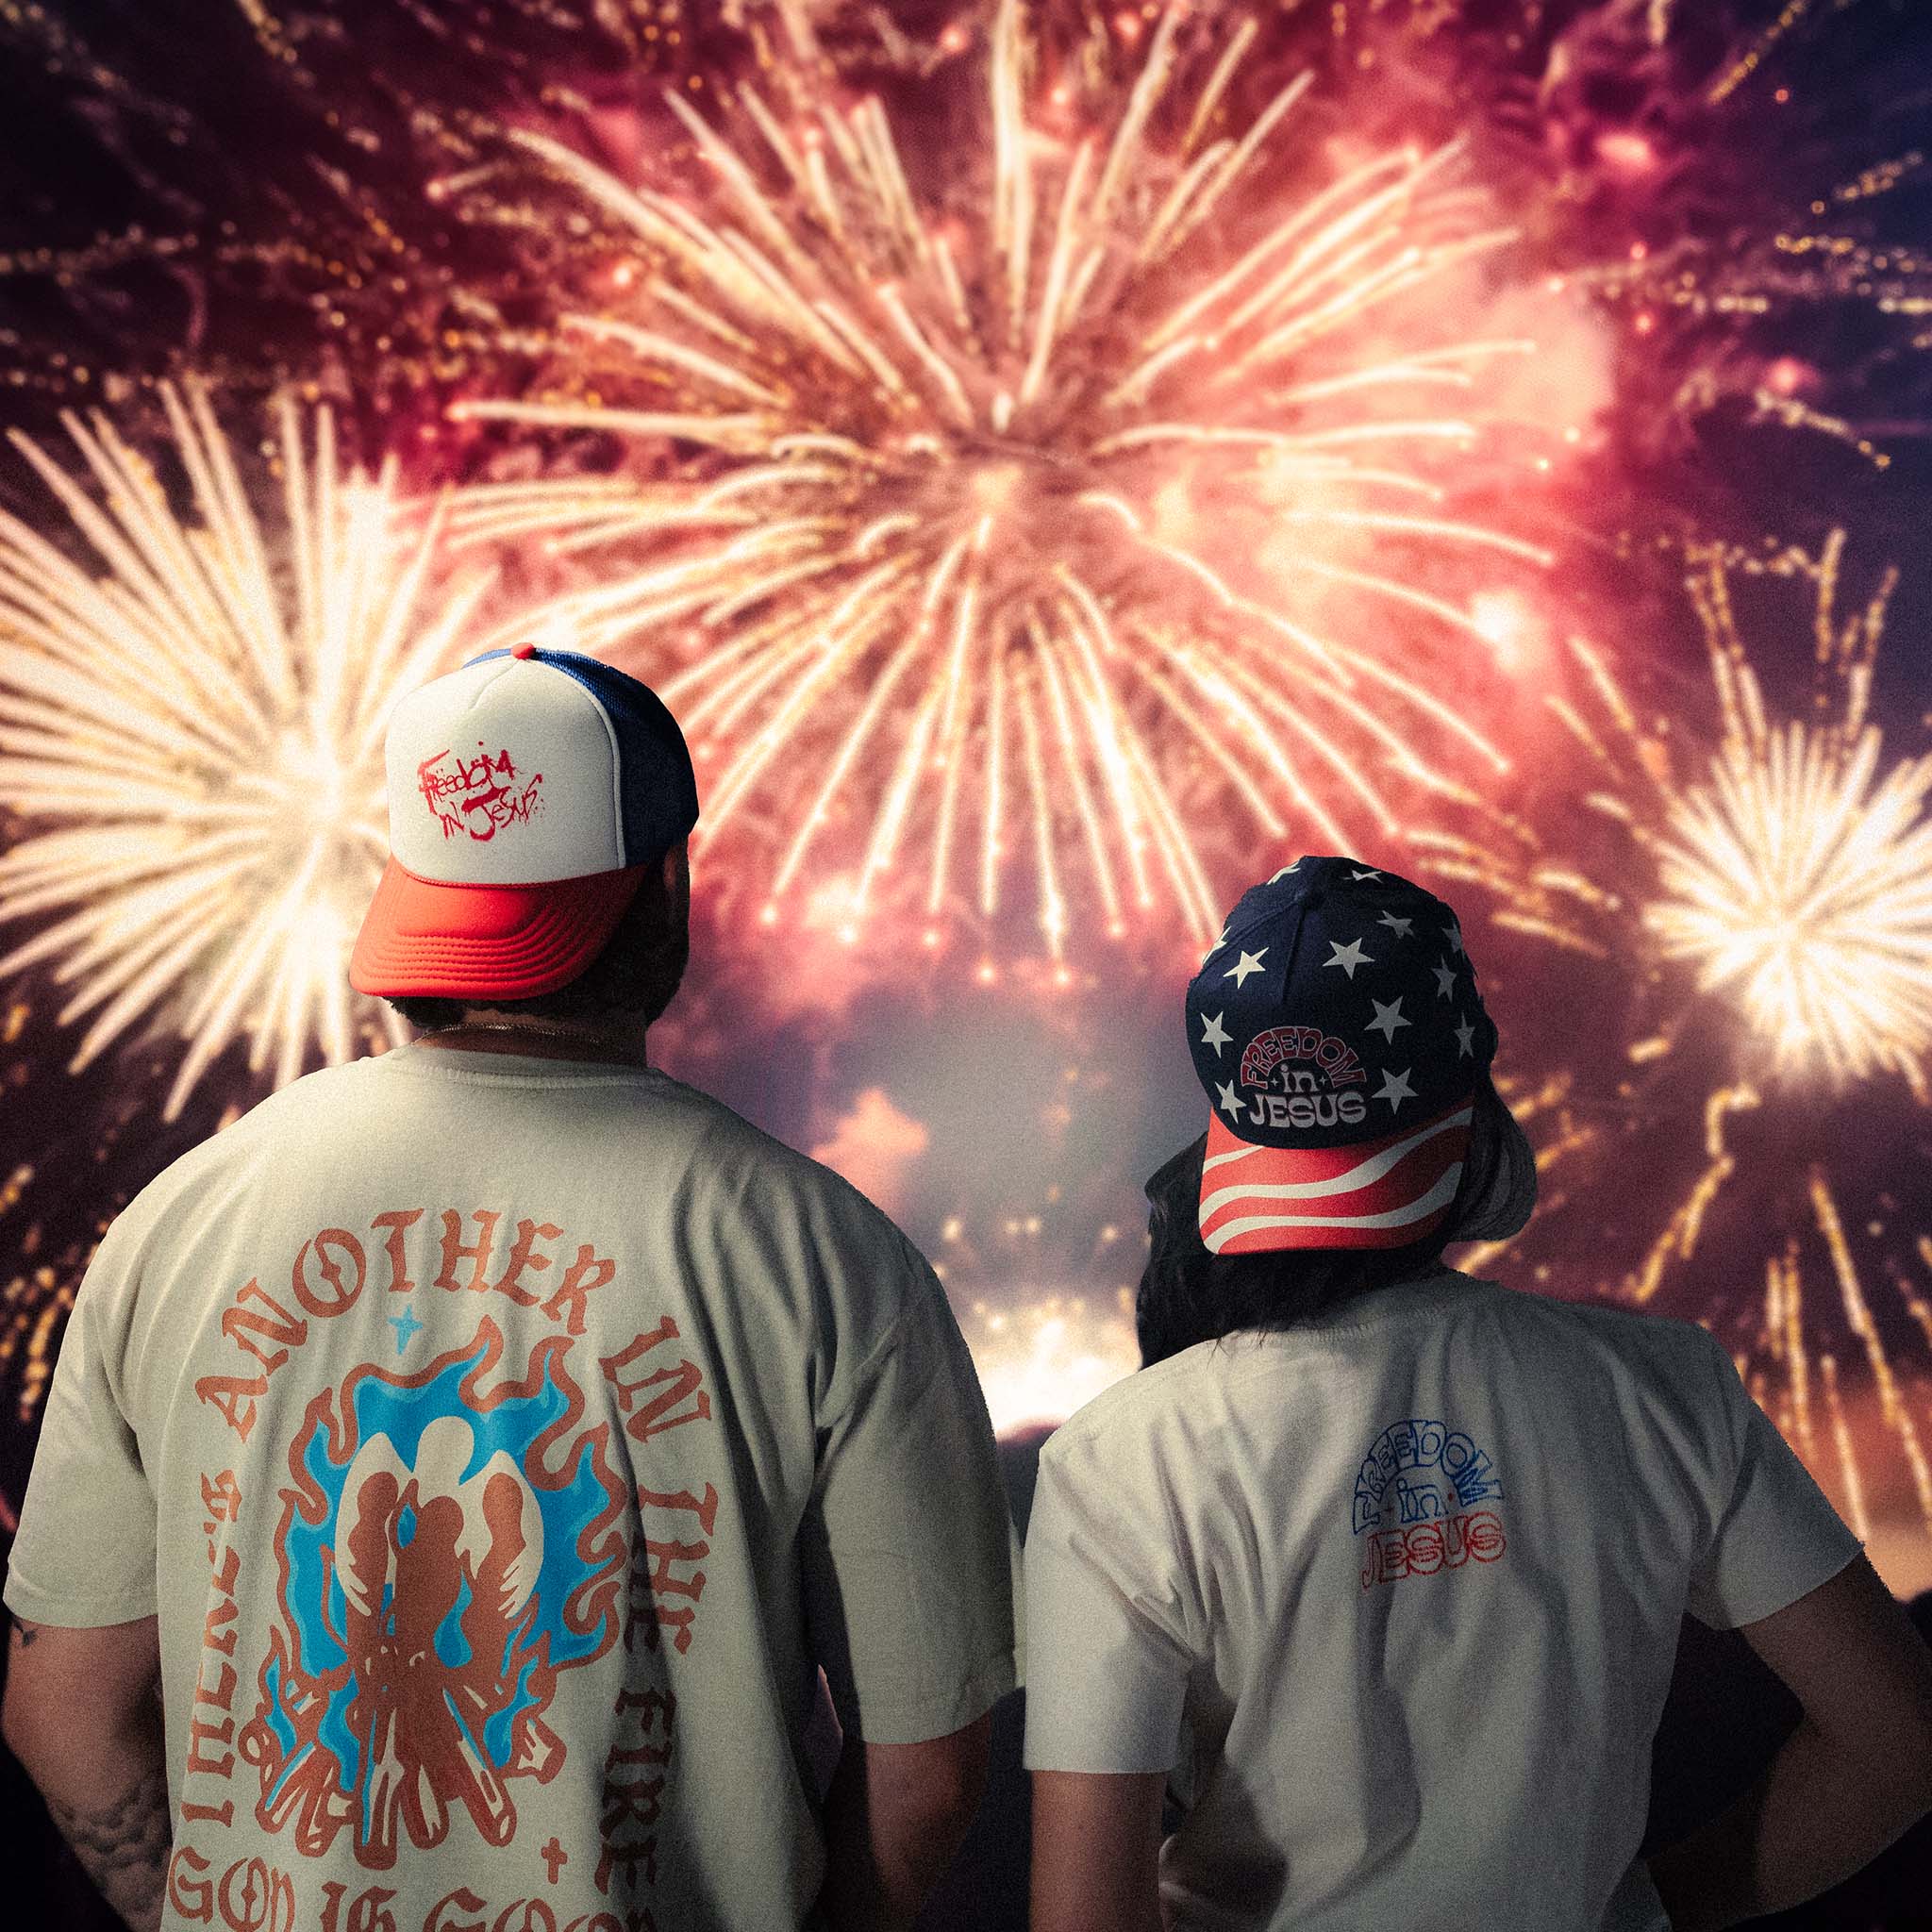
25 1632
124 1847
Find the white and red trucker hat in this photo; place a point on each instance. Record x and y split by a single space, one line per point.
529 794
1337 1034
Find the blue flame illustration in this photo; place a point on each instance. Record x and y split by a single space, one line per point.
315 1601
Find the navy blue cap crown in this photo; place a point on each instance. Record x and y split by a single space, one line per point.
657 786
1338 1006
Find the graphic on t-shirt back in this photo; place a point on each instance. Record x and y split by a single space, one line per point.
453 1541
1415 1495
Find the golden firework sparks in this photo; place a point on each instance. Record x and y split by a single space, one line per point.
986 503
192 733
1798 881
1793 875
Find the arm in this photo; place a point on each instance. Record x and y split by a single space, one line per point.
83 1716
895 1816
907 1591
1107 1616
1096 1851
1854 1776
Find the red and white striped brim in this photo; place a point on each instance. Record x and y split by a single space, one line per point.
1376 1194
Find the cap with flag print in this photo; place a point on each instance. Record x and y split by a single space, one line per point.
1337 1031
529 794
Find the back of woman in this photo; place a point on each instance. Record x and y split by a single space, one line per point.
1423 1559
1378 1568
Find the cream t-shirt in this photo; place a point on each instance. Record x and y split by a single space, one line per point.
1394 1596
505 1444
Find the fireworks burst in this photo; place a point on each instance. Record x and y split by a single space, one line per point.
193 740
1771 899
1794 881
971 514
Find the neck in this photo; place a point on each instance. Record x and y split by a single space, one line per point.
485 1030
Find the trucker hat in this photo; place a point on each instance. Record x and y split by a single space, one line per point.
1337 1032
529 794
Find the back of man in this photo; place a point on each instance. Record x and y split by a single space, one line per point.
481 1402
1430 1550
484 1447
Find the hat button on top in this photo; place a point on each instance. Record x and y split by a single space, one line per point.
524 650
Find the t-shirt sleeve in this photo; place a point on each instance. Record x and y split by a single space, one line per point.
1777 1535
906 1547
1108 1647
84 1555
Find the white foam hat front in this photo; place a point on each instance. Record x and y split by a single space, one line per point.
503 773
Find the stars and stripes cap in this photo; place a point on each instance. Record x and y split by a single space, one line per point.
529 794
1337 1031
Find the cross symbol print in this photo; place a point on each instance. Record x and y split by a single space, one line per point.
406 1325
553 1856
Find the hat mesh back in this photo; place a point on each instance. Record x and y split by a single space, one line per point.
658 801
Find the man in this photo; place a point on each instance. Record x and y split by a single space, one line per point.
476 1452
1378 1569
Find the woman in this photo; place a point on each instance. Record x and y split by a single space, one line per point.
1376 1571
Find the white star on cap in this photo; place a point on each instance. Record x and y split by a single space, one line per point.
1399 927
1446 979
1210 952
1348 958
1360 875
1454 935
1230 1100
1212 1033
1396 1088
1387 1019
1247 964
1463 1035
1284 873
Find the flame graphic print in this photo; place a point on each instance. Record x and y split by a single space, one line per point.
453 1540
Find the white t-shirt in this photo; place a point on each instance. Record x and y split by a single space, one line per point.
504 1444
1395 1595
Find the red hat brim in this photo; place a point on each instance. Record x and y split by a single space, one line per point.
486 943
1380 1193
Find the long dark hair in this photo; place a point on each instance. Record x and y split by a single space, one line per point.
1188 1295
